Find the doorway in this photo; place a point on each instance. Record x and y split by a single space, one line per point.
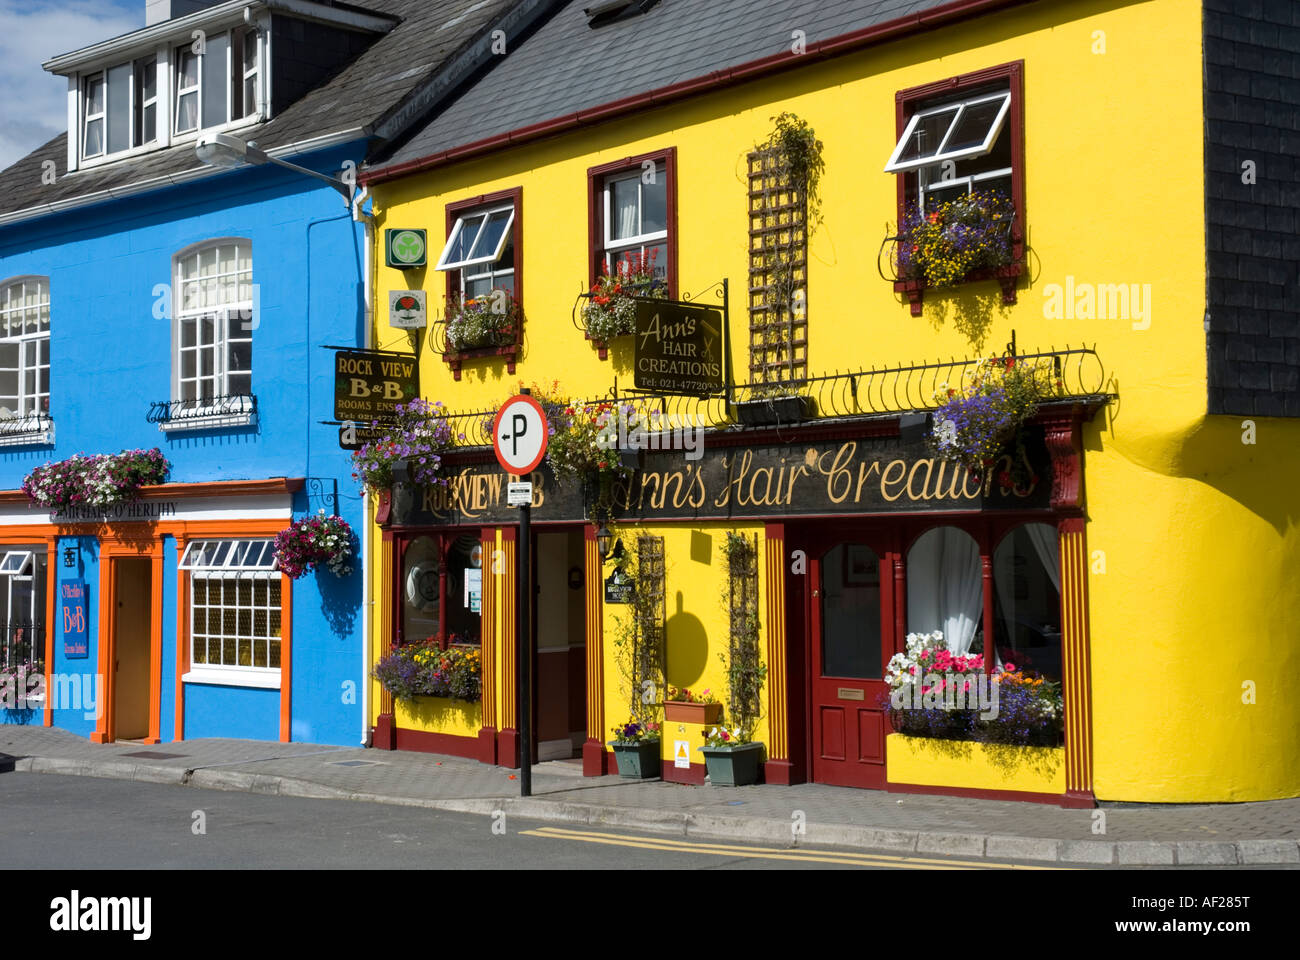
849 641
132 633
560 645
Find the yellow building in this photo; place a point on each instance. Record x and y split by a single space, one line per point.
1140 547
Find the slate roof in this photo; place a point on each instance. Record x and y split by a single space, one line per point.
568 66
361 93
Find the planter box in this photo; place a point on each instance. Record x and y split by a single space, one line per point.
455 359
637 761
923 761
773 410
733 766
682 712
1007 277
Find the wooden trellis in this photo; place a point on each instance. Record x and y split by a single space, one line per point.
778 272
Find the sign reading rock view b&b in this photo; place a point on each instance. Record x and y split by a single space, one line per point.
368 385
678 348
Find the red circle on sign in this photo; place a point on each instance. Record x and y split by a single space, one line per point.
496 436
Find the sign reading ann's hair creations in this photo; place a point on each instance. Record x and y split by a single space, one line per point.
72 615
819 478
678 348
368 385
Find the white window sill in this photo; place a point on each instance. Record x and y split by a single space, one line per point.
208 422
234 677
36 438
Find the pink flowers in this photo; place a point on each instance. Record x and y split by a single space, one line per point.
97 481
314 540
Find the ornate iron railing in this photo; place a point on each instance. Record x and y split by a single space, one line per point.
27 423
230 405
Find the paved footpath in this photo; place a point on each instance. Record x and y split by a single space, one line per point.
1135 834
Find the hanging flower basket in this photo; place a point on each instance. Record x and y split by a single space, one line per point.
97 482
311 541
964 240
418 434
609 310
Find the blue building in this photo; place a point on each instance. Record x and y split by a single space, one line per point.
151 299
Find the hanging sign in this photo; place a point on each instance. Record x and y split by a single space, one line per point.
368 385
72 612
353 436
406 309
406 248
678 348
618 588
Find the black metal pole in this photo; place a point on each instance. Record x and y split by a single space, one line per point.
523 605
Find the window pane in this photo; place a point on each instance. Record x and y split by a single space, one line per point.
147 74
187 112
95 95
850 588
250 96
189 68
974 126
654 203
623 209
94 138
1026 581
187 333
237 76
478 287
490 235
420 584
928 134
945 588
465 239
241 356
119 108
214 80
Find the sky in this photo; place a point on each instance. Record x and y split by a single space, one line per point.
35 103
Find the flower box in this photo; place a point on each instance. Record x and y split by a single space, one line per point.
455 359
770 411
733 766
680 711
966 764
637 761
1007 278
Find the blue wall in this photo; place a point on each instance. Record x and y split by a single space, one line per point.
111 354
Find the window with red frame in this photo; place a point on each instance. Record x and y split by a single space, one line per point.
633 210
962 135
483 244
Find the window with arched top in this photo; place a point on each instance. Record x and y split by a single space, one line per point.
24 359
1027 599
945 589
213 307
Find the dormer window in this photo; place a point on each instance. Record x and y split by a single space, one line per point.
219 85
119 108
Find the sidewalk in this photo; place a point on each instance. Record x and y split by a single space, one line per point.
1241 833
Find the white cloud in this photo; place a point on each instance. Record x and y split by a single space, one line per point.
36 102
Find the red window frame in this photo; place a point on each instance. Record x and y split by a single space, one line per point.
907 102
596 210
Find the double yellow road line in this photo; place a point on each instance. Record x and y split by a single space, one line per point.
852 859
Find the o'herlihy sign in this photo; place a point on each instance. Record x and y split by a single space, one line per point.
368 385
678 348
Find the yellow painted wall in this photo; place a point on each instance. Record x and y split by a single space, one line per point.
1198 530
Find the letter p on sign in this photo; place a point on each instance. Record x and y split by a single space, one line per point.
519 435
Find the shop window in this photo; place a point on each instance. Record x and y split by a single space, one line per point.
633 205
235 608
22 584
213 367
945 589
962 135
483 240
25 362
442 589
1027 598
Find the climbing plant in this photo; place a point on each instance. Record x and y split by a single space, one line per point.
745 671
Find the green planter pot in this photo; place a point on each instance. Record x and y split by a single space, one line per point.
733 766
637 761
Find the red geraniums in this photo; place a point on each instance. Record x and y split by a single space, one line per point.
610 310
314 540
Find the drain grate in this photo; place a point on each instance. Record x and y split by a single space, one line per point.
351 763
154 755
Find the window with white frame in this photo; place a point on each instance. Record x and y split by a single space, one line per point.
481 249
214 321
218 85
235 606
956 146
24 348
119 108
22 582
636 218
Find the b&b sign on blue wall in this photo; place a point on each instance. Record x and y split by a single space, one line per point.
72 603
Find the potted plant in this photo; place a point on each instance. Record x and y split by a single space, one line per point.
314 540
974 426
771 404
482 326
969 238
731 756
636 745
683 706
610 310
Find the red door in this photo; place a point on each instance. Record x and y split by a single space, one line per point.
851 642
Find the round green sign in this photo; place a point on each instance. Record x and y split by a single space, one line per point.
408 246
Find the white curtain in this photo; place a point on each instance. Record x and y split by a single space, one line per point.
944 587
1042 538
1048 547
